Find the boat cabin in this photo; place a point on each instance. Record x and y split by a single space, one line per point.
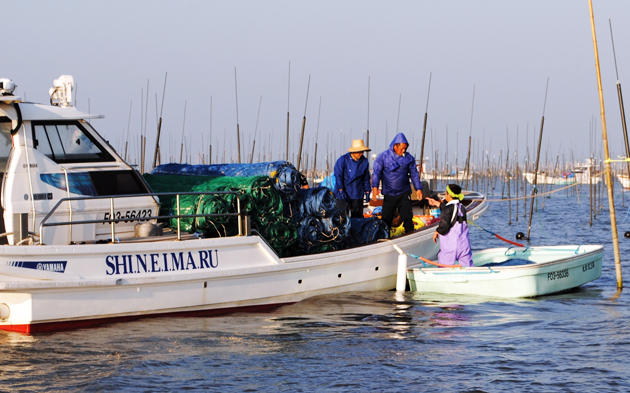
51 152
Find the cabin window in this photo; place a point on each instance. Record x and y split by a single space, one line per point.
5 141
67 142
117 183
101 183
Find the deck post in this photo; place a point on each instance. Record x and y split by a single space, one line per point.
401 277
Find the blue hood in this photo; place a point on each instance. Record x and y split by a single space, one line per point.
400 138
395 171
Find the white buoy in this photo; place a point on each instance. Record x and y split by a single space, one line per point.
401 278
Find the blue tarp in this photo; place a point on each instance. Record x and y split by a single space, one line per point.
285 177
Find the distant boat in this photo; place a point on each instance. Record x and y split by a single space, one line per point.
580 174
514 272
453 176
624 180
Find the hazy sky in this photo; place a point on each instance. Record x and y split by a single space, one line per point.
504 50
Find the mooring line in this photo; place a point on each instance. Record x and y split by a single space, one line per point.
497 236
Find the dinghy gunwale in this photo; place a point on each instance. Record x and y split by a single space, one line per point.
524 281
594 249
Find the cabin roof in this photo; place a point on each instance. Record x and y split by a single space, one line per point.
31 111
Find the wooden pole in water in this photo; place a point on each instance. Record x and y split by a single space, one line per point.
159 128
210 147
542 123
611 201
286 156
181 148
590 195
621 109
144 133
516 187
398 118
251 160
316 137
507 174
238 131
128 127
299 158
470 140
367 131
141 130
424 127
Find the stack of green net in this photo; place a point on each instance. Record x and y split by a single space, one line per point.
258 197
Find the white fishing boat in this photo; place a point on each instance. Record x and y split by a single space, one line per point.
624 180
581 173
447 177
82 244
514 272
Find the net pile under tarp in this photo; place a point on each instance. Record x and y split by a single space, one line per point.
292 220
257 196
283 174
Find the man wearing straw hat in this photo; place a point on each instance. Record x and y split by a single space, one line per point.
352 179
395 168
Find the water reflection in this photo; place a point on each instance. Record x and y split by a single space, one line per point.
12 338
379 341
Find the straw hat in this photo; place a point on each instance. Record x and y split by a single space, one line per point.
358 146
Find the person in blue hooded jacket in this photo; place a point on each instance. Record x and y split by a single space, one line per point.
352 179
395 168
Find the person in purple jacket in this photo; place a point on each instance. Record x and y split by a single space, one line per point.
395 168
453 229
352 179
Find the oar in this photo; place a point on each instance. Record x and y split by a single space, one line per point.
431 262
497 236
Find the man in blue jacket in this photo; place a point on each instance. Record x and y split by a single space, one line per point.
395 167
352 179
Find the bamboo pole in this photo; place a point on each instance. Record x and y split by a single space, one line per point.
144 130
611 201
542 123
590 195
398 118
159 128
299 158
210 147
367 131
621 108
470 139
238 131
286 156
316 137
181 148
251 160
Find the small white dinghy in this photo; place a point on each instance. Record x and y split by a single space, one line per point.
514 272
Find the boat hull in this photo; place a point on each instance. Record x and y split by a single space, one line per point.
624 180
556 269
243 273
561 180
53 287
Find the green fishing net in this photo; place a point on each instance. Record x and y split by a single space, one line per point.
258 197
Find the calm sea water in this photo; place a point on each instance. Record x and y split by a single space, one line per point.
368 341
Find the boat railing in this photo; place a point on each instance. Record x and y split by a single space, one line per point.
242 218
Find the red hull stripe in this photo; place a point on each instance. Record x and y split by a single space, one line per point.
86 323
